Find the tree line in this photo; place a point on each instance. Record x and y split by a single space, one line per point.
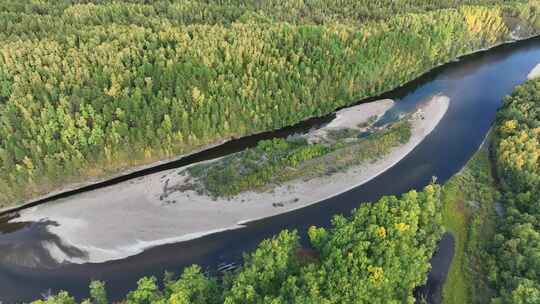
514 269
380 254
88 88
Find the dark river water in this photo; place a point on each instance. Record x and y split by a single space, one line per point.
476 85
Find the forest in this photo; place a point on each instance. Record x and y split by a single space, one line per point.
469 201
514 269
379 254
91 88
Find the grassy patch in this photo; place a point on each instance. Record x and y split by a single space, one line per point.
469 214
276 161
371 120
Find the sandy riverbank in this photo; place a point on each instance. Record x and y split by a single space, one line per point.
127 218
534 73
351 117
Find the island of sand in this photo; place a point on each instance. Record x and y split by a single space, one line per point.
127 218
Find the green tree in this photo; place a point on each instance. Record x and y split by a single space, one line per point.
98 294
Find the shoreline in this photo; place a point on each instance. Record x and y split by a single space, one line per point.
534 73
147 221
29 203
48 197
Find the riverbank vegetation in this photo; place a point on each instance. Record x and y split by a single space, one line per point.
496 228
89 89
469 213
273 162
378 255
514 267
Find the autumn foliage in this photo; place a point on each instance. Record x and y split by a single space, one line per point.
89 88
515 266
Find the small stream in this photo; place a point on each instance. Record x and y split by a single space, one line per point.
440 263
476 85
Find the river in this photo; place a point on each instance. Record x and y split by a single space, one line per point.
476 85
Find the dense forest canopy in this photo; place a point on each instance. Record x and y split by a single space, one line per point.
378 255
515 267
185 12
88 88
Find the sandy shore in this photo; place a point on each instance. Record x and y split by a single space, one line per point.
351 117
108 177
534 73
127 218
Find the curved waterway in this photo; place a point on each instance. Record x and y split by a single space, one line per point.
476 85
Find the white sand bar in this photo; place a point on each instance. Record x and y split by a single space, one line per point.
353 116
534 73
127 218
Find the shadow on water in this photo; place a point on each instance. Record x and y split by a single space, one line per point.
476 85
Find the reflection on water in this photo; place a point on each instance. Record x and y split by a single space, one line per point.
432 291
475 85
29 244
